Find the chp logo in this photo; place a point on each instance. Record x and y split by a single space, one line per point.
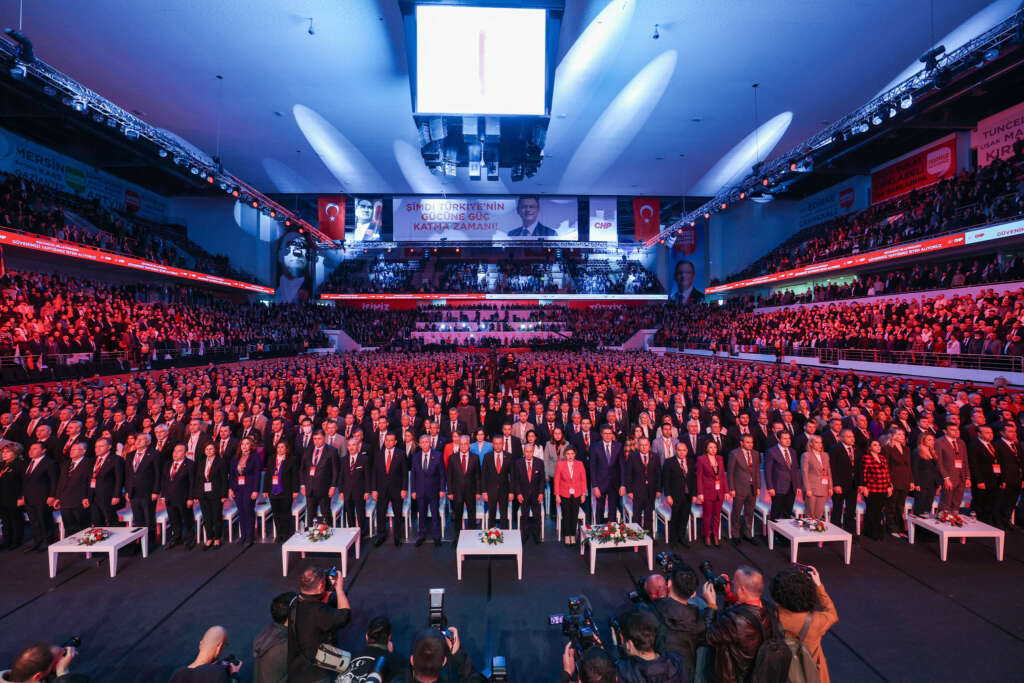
846 198
132 201
937 162
686 241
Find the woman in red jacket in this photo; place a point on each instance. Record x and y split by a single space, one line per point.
570 491
712 490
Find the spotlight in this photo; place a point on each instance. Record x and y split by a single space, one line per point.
80 105
254 204
656 34
194 170
707 215
209 179
693 224
892 111
97 117
162 153
273 214
49 90
991 54
907 102
765 182
18 71
287 222
876 120
131 133
859 128
761 197
930 59
743 195
235 192
723 206
224 186
792 166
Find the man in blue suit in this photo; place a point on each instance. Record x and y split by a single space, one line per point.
782 476
428 488
608 472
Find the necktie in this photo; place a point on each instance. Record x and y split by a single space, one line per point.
99 464
529 469
746 454
644 458
499 463
608 452
316 457
465 464
849 452
209 464
223 446
785 454
174 470
138 459
508 444
387 462
351 463
426 461
74 464
32 467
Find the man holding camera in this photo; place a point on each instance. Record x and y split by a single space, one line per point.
430 654
208 667
641 664
595 666
682 621
312 622
42 661
737 631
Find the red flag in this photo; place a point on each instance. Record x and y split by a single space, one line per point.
646 217
331 215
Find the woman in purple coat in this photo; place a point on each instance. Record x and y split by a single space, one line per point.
712 490
244 487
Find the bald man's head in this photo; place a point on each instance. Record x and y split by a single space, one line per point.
213 641
656 587
748 584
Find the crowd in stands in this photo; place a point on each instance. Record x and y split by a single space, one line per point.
38 209
611 325
987 194
980 270
611 277
986 324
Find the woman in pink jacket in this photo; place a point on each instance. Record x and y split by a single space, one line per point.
570 491
712 491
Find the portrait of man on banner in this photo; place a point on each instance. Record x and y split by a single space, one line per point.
296 261
687 259
528 208
369 217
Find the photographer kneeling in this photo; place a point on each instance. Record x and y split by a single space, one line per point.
43 662
641 663
682 621
430 653
313 622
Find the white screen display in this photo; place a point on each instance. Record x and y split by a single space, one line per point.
480 60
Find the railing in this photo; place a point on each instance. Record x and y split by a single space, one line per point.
832 356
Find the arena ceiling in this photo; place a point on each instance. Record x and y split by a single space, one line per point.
631 114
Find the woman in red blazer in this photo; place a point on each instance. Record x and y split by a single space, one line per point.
712 490
570 491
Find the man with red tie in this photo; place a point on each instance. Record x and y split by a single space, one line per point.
497 486
142 484
463 484
643 482
319 474
105 484
176 490
985 472
390 482
529 486
73 489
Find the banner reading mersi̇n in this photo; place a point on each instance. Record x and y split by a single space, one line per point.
485 219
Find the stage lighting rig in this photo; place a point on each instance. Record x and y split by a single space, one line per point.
930 59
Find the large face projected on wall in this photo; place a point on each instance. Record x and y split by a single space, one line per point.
295 261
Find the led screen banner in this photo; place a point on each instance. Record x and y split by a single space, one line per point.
920 168
485 219
688 255
846 197
42 165
368 213
295 262
604 223
995 136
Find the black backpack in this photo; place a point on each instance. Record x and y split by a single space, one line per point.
784 658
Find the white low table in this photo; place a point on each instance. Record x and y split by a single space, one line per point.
119 537
798 535
338 544
470 543
645 542
972 528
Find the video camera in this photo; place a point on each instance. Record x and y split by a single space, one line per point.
720 583
340 662
577 625
668 561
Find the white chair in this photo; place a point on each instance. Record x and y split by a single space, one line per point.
337 509
627 512
229 515
371 517
696 513
406 509
582 517
263 513
662 512
59 519
299 512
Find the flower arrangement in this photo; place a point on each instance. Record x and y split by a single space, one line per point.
811 524
319 531
93 535
951 518
615 532
492 536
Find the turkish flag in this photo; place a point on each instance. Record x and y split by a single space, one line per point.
646 217
331 215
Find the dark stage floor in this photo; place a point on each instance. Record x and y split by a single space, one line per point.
903 614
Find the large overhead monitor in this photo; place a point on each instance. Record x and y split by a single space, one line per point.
481 60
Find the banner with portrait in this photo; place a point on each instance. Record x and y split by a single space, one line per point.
485 219
295 265
687 265
368 220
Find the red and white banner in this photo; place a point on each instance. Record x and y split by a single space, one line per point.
72 250
915 170
994 137
646 217
331 216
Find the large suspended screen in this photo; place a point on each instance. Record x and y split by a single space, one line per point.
480 60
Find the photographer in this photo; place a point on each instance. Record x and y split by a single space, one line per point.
430 653
43 662
207 667
378 644
641 664
682 621
737 631
803 602
270 646
596 666
312 622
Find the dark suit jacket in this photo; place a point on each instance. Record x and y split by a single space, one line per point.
845 473
218 479
11 482
464 485
981 462
145 480
178 491
498 484
431 481
539 230
325 474
643 482
1009 459
109 479
534 487
676 482
395 480
41 483
73 487
604 476
743 479
288 476
777 475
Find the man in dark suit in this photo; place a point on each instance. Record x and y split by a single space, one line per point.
782 476
227 445
1008 457
643 482
354 484
528 209
511 443
318 477
497 473
39 494
249 431
845 461
195 440
390 487
274 434
529 490
303 445
608 472
679 481
463 484
981 456
73 490
142 484
428 488
176 490
453 424
105 484
744 474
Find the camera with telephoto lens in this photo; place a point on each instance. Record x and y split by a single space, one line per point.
719 582
669 562
436 618
73 641
229 662
639 593
577 625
